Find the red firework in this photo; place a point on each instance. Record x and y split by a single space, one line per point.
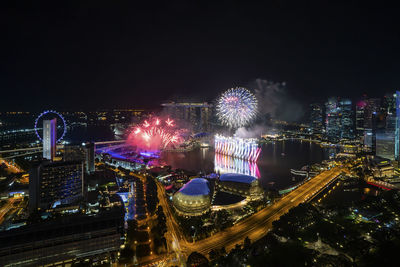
155 134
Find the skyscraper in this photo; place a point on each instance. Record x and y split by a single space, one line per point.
332 121
385 144
346 117
197 114
49 139
90 157
316 118
55 183
389 103
84 153
372 108
360 118
397 131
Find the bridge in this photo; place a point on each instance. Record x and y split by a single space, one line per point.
382 184
302 173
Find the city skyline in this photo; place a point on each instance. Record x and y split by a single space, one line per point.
182 133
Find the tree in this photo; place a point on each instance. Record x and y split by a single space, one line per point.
246 243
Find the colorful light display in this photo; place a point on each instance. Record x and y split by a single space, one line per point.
156 134
237 107
227 164
243 148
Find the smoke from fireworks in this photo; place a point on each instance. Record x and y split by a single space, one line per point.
237 107
155 134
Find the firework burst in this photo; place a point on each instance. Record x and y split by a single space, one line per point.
237 107
155 134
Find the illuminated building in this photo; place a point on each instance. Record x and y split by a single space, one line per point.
366 113
90 155
316 119
397 130
193 199
239 184
386 134
55 183
84 153
49 139
372 108
385 144
339 119
198 114
63 241
346 117
381 167
389 103
243 148
332 121
360 118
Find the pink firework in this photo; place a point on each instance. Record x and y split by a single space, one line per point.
155 134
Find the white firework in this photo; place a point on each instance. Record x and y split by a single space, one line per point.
237 107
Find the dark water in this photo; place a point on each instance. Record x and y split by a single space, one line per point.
79 134
272 168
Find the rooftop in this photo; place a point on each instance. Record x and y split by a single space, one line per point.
195 187
236 177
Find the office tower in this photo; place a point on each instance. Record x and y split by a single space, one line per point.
197 114
55 183
84 153
346 117
385 144
390 107
316 118
389 103
360 118
90 157
332 121
372 108
49 139
397 129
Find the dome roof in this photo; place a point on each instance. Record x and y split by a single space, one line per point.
238 178
195 187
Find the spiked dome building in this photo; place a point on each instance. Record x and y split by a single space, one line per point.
193 198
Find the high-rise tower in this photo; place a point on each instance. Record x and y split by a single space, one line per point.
49 139
346 118
316 119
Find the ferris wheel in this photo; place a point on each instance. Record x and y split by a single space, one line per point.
48 113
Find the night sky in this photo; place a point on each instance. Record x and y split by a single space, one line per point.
91 55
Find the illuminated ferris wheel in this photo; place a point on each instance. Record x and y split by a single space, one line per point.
50 114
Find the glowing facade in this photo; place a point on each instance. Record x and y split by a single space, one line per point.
397 131
193 199
55 183
242 185
243 148
316 119
49 139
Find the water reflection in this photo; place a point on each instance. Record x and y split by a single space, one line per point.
272 168
226 164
